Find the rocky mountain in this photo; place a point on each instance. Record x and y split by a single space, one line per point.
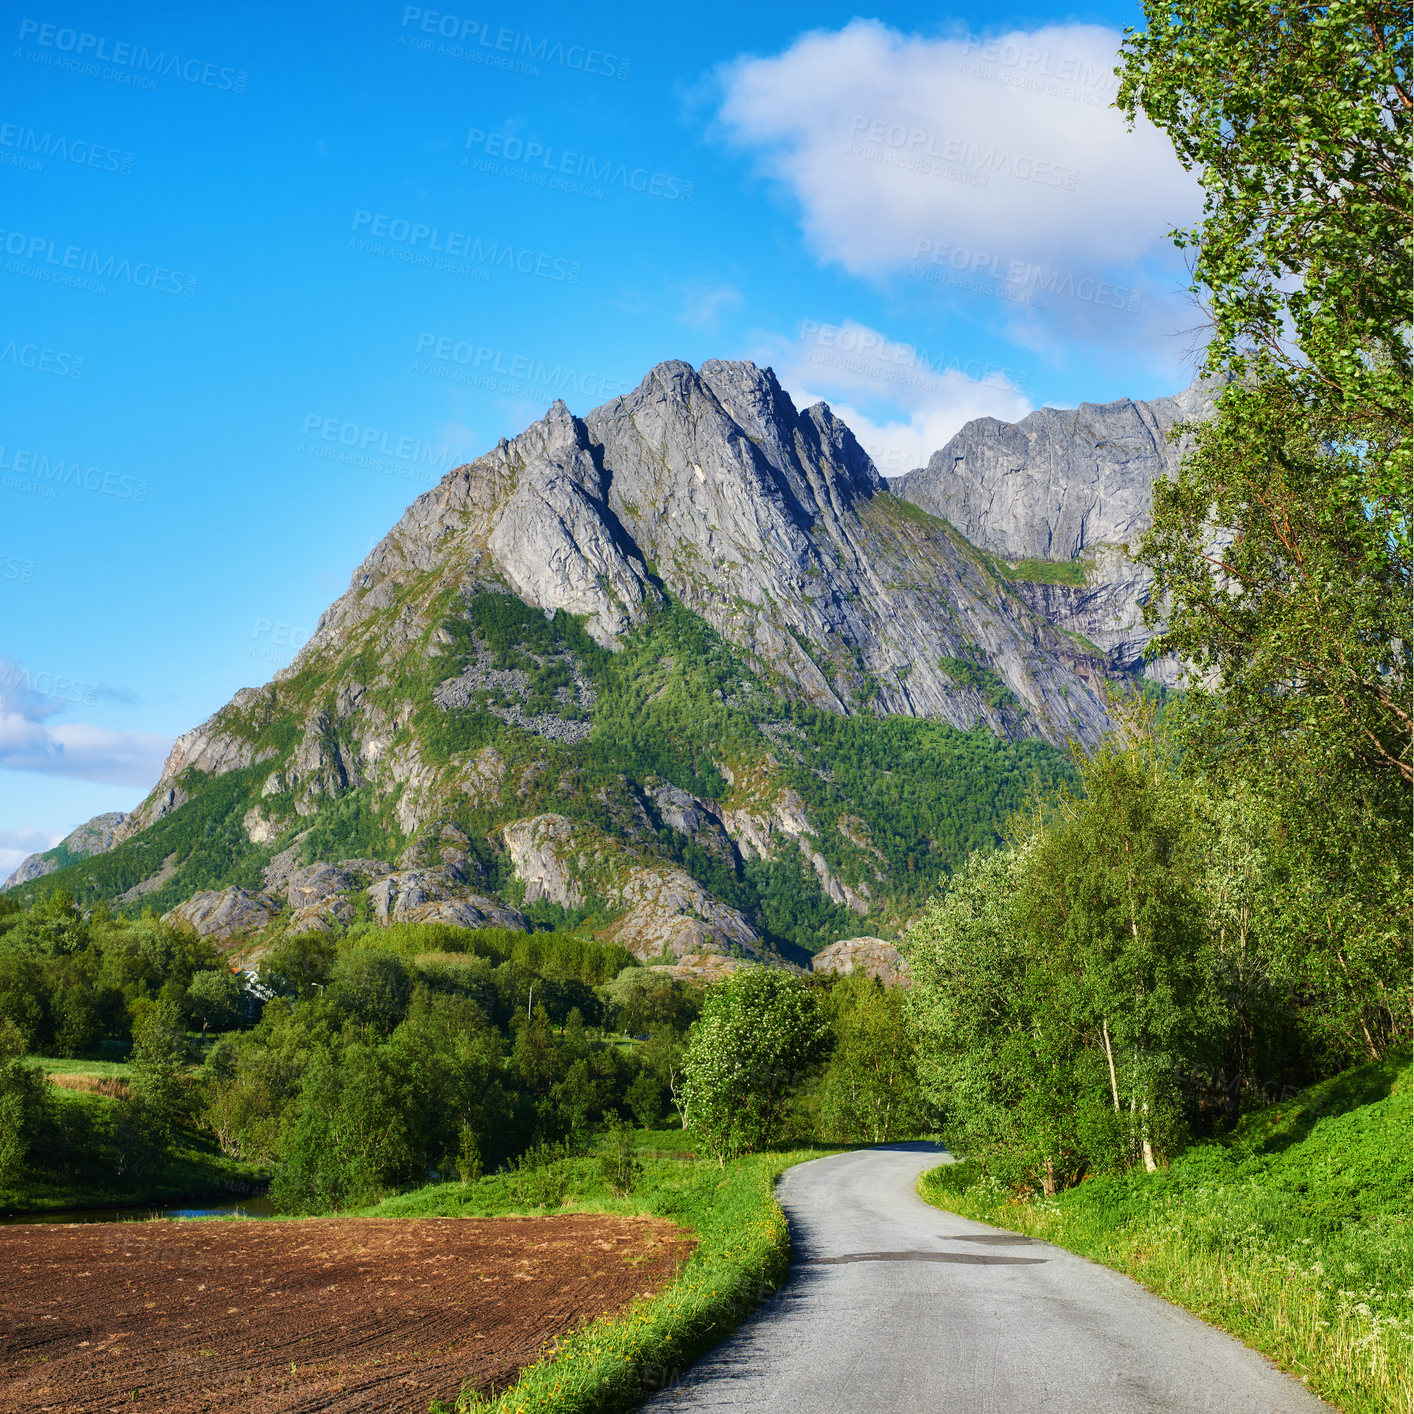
685 671
93 837
1059 495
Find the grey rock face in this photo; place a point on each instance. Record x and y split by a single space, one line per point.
555 541
225 914
1060 480
94 836
774 526
438 896
163 801
1068 485
875 956
542 851
771 523
668 911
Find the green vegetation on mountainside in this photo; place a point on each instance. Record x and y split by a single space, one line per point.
204 835
898 802
1294 1232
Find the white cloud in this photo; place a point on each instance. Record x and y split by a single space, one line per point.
81 750
17 845
30 740
901 402
703 307
988 172
894 145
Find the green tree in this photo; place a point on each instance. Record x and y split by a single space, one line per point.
1298 121
214 999
159 1059
24 1111
349 1140
75 1013
870 1090
760 1033
1111 899
371 987
983 1041
1282 549
297 965
1064 988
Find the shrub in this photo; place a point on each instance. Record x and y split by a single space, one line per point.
760 1033
618 1167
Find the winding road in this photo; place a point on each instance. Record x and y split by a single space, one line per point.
898 1307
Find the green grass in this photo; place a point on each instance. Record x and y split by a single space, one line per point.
742 1256
104 1069
1293 1233
1046 571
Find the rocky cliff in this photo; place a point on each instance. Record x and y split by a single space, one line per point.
1069 487
92 837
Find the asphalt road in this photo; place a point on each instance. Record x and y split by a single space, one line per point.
896 1306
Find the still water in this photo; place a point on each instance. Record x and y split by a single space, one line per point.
258 1207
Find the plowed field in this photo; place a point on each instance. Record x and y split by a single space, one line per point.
324 1314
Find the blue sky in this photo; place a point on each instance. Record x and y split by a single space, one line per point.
265 276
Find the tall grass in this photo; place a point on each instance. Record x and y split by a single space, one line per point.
113 1087
1294 1234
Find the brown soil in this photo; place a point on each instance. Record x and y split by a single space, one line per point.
322 1314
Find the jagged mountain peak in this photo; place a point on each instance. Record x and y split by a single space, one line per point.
703 499
1060 480
1072 487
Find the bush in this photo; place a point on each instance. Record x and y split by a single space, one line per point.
23 1107
618 1167
760 1033
214 999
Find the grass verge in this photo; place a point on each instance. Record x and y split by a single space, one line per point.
613 1364
1293 1233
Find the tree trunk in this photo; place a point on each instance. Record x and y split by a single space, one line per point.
1110 1056
1048 1183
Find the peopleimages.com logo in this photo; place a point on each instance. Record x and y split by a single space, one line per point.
43 257
426 241
578 166
41 359
24 147
462 38
17 679
38 474
77 49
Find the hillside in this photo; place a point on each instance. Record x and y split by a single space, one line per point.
684 671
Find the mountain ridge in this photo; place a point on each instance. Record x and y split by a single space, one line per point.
653 612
